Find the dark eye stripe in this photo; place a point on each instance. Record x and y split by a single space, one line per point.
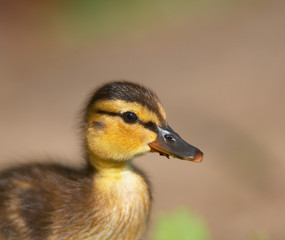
108 113
149 125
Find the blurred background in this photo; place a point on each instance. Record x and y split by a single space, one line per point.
218 68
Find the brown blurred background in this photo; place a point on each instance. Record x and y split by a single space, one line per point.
217 66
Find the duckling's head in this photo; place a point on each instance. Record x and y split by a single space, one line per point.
125 119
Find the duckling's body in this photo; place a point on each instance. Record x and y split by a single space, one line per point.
54 202
108 198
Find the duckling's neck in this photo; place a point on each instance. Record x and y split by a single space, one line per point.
124 196
102 165
114 172
119 177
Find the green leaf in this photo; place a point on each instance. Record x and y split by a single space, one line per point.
181 225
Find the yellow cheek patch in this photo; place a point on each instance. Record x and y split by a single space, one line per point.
121 106
118 140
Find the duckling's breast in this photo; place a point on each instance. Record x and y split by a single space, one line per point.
126 200
121 207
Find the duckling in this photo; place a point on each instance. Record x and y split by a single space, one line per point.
108 198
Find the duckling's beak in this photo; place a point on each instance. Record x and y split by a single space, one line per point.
169 143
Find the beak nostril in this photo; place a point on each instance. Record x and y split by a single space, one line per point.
169 138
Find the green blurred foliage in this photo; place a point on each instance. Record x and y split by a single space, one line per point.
97 17
180 224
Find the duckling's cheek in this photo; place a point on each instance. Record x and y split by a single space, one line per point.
129 140
119 141
137 138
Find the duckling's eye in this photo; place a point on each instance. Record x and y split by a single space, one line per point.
130 117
